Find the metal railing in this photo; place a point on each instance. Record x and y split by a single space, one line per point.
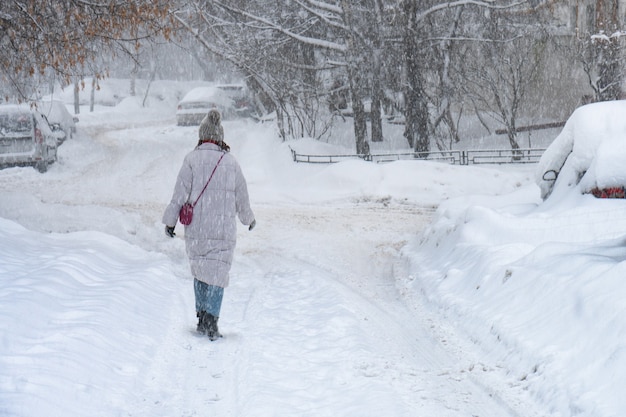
454 157
503 156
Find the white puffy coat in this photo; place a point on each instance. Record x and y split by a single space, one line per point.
211 237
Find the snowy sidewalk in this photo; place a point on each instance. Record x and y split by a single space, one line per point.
315 327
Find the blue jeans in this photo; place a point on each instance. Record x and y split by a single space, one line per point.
208 297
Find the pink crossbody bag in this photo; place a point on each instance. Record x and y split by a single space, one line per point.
186 211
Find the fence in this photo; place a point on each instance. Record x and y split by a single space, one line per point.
467 157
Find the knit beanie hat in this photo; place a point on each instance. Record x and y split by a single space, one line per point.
211 127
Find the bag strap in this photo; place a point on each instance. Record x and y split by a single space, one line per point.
207 183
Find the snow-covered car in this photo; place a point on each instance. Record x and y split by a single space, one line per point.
242 100
232 100
58 116
589 154
25 138
197 103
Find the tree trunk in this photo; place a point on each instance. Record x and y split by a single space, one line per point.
76 97
358 110
133 84
416 112
153 71
376 116
376 100
92 96
377 94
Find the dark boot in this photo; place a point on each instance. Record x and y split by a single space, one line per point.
211 327
202 321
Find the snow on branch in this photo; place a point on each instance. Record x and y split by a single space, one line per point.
324 6
325 18
270 25
602 36
490 4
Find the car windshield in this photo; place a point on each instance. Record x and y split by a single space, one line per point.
12 123
52 110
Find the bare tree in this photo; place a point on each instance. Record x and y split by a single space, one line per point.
510 55
600 50
302 43
308 43
446 57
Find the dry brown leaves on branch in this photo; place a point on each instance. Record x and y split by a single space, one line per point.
66 35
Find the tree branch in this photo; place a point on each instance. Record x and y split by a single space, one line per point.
486 3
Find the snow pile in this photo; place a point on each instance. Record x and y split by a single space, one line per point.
78 318
538 285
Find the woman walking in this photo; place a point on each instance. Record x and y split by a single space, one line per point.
211 177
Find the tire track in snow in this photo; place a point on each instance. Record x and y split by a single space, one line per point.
371 339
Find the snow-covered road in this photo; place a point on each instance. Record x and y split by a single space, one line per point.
317 319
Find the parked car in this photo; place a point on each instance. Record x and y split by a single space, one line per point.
242 100
58 116
197 103
588 155
232 100
25 138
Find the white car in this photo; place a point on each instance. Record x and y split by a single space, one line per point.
242 100
58 116
197 103
25 138
589 153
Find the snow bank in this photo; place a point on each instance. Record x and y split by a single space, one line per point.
539 287
61 298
